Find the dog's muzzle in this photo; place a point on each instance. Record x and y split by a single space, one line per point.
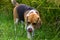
30 28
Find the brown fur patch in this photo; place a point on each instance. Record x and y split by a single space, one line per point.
34 18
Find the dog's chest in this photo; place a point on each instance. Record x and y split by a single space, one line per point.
21 9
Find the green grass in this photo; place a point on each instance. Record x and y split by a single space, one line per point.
8 32
50 15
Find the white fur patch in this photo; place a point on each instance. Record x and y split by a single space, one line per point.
12 1
30 26
34 11
16 21
29 35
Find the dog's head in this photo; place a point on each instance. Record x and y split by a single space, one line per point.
33 20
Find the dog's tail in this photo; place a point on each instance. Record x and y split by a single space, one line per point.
14 2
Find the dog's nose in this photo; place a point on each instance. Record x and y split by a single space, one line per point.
30 30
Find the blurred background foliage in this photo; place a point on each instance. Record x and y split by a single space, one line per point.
49 12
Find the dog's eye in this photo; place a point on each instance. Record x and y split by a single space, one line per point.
28 22
33 23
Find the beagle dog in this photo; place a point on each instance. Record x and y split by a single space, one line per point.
27 14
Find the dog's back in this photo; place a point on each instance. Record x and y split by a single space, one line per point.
21 9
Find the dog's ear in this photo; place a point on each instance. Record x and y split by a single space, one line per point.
39 22
25 15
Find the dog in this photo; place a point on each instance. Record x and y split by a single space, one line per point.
27 14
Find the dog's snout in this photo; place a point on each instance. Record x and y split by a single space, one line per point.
30 30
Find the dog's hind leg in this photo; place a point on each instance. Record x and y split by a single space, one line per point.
16 19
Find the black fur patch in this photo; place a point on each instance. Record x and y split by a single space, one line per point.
21 9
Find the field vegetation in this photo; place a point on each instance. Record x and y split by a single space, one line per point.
50 15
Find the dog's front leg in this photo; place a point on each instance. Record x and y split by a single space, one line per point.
26 26
28 35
